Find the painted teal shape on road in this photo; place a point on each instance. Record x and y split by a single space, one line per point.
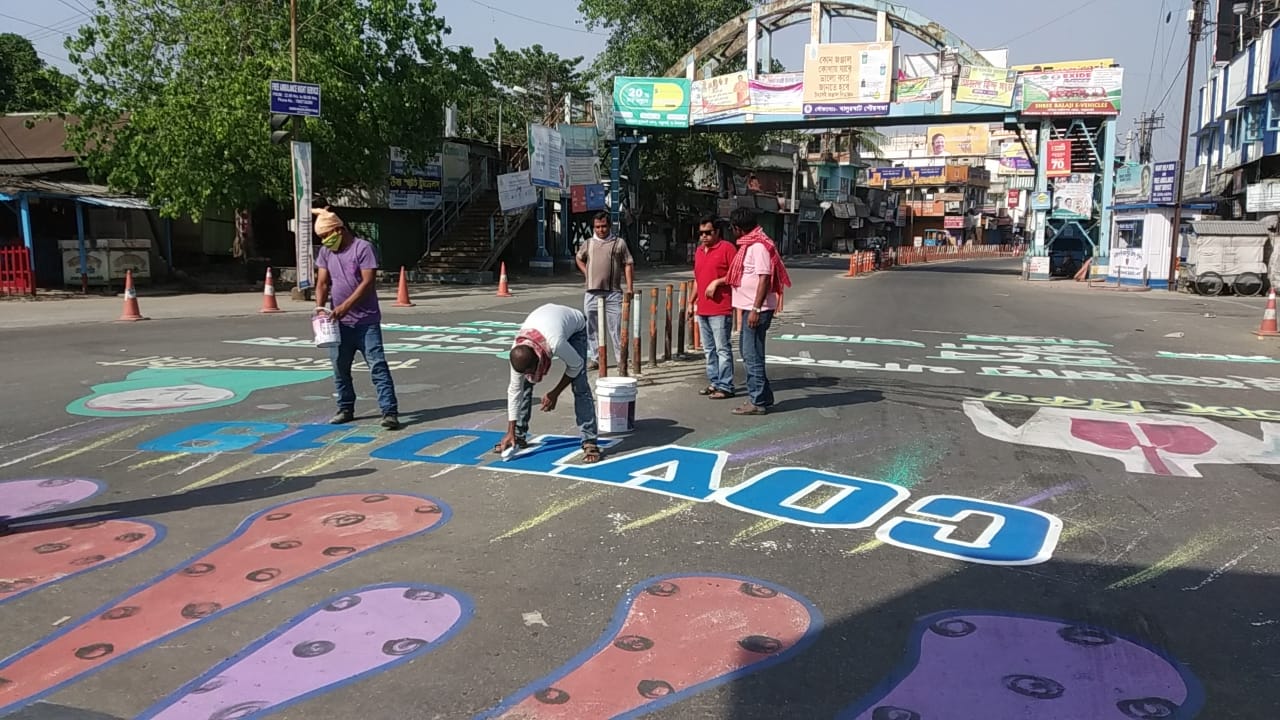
164 391
1215 357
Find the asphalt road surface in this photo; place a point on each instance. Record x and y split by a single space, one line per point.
975 498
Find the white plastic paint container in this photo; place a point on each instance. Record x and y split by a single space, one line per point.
325 328
616 404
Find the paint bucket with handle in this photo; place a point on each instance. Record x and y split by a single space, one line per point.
616 404
325 327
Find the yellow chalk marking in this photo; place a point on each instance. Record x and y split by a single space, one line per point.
221 474
1193 550
157 461
115 437
758 528
864 547
555 509
663 514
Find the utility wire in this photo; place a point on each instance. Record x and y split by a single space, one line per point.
1038 28
539 22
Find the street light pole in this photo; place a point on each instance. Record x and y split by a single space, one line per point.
1175 231
293 58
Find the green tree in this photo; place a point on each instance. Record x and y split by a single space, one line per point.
529 84
27 83
174 103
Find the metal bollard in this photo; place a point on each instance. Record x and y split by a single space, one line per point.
684 319
635 336
653 327
624 338
602 330
666 332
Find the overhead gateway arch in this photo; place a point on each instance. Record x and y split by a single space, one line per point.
1080 105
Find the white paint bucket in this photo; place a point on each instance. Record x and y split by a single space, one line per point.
326 330
616 404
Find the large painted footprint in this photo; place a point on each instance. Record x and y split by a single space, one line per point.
40 555
269 550
336 642
963 665
20 498
670 638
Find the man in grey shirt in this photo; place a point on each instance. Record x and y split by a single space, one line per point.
605 261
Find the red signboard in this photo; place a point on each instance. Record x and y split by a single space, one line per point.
1015 198
1059 164
953 222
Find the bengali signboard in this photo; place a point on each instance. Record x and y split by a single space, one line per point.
587 198
1074 93
300 153
848 79
1013 157
651 102
1059 158
986 86
1164 177
546 157
777 94
581 154
414 187
925 89
893 176
1073 197
1133 182
516 191
949 140
719 97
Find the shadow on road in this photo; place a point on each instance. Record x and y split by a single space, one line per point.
1050 641
419 417
50 711
238 491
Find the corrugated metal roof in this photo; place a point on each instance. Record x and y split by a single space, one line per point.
1228 227
91 194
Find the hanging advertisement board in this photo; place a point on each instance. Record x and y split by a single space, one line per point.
1073 93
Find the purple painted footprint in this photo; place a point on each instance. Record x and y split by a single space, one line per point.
964 665
20 498
336 642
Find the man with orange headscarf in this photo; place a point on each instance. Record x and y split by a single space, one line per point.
549 332
347 269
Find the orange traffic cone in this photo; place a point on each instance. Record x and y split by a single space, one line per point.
1268 328
853 268
402 295
269 296
502 282
131 312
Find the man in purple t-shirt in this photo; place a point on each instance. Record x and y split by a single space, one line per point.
347 271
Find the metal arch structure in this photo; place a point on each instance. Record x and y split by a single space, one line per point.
761 21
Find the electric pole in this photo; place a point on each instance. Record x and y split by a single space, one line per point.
293 58
1196 22
1147 126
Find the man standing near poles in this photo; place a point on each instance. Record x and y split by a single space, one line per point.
711 262
346 266
756 276
605 261
549 332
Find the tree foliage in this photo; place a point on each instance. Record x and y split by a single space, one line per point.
529 83
174 102
27 83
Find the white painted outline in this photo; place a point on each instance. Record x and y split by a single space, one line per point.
946 525
900 494
637 480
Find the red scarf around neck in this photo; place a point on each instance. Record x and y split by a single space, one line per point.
778 276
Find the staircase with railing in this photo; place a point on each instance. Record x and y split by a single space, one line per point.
466 240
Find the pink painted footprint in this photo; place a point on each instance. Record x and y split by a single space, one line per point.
21 498
670 638
963 665
38 556
327 646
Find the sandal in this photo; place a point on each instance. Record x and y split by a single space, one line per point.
706 390
720 395
749 409
521 444
591 453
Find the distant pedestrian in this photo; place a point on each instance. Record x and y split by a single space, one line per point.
711 262
756 276
346 274
605 261
551 331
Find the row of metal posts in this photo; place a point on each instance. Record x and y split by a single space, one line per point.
679 317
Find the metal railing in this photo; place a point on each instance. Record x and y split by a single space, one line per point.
502 229
450 210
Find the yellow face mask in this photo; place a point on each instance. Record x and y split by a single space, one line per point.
332 241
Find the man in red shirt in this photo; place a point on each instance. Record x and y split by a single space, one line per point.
711 263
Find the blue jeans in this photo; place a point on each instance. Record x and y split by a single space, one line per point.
584 404
717 332
368 340
612 318
752 345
